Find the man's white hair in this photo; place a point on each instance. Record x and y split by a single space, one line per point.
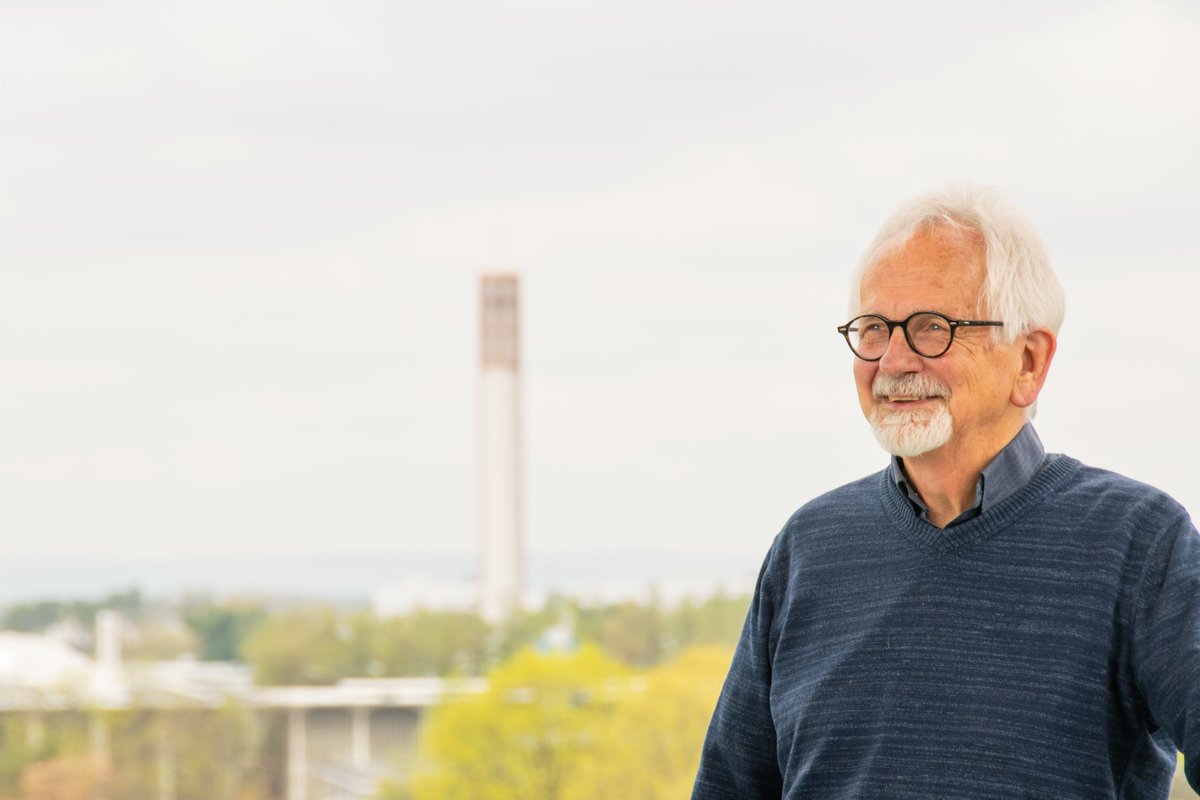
1020 288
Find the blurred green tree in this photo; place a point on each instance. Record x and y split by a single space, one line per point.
20 746
304 647
222 629
198 754
524 735
428 643
321 645
41 614
649 748
716 620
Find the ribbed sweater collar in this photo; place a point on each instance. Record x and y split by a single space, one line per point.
1054 472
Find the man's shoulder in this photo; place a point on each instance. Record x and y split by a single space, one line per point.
865 489
1102 492
824 528
849 502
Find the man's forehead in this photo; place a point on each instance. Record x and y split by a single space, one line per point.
936 269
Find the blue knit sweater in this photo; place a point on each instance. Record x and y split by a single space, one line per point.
1049 648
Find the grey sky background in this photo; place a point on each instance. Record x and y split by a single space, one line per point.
240 245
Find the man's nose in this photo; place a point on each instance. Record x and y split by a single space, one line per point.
899 358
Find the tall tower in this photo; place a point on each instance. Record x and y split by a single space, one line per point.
501 547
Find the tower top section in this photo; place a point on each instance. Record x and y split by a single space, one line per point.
500 316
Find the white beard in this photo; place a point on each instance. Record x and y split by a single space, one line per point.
911 432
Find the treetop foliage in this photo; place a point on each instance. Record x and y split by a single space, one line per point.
571 726
319 644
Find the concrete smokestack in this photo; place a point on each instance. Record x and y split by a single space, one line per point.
501 545
108 677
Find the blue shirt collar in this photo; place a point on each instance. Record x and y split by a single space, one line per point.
1011 469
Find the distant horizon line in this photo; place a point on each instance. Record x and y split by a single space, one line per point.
347 576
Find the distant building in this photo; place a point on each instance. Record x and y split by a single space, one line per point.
501 545
337 741
422 593
108 676
31 661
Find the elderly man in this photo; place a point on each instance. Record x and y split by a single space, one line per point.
981 619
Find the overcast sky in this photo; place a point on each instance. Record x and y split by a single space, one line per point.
240 245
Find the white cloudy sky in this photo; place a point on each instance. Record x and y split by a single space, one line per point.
240 244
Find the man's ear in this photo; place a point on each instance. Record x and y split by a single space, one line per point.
1037 352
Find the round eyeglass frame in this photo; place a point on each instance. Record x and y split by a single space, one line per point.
902 324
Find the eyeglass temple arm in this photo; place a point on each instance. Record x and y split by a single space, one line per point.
976 323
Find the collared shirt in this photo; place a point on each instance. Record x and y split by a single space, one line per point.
1008 471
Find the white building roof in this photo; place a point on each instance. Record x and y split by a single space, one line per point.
31 661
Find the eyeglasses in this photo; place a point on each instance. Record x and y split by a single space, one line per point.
928 333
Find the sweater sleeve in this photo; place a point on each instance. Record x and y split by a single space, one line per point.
1167 643
739 760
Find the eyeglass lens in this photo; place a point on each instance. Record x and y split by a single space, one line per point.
928 334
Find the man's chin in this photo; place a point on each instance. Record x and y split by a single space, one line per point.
904 447
908 434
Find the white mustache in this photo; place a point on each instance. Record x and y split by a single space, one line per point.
912 384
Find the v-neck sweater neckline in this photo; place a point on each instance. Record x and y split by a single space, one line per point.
1054 471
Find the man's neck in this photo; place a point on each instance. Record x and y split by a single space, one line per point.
946 478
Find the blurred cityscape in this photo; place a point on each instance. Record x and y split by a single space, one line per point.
260 698
253 697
